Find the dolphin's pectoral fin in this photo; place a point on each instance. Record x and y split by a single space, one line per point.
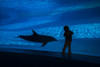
44 44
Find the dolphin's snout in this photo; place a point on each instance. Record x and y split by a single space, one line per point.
55 40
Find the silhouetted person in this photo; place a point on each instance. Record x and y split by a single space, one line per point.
68 39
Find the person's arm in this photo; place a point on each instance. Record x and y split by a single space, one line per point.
71 33
64 35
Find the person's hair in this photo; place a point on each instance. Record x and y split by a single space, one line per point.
66 27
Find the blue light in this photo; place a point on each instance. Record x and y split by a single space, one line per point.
47 17
80 31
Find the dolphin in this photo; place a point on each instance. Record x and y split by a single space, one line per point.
35 37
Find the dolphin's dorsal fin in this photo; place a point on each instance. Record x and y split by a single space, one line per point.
34 33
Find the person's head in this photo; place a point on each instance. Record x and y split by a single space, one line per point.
66 28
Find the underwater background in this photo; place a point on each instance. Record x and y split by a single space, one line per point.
48 17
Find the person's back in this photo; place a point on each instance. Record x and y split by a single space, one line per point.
68 38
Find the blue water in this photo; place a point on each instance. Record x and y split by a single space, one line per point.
47 17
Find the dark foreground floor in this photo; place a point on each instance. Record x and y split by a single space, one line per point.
22 59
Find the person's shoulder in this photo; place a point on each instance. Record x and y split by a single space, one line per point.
71 32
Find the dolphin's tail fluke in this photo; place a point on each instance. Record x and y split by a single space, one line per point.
17 37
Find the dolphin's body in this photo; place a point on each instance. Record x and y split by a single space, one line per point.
38 38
